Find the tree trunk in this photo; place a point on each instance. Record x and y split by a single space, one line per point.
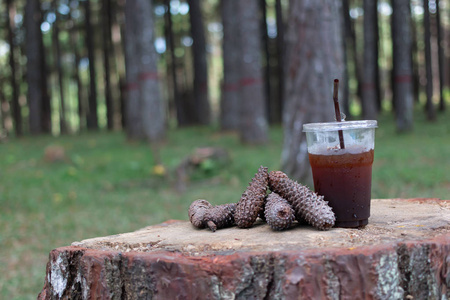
370 97
91 116
254 123
430 110
441 58
46 115
394 257
180 112
347 41
17 110
56 44
152 106
230 104
315 53
34 68
280 61
402 64
202 106
266 68
133 126
106 24
74 37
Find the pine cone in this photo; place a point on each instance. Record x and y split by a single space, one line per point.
307 204
279 213
202 214
252 200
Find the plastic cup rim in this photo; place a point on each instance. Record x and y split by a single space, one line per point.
345 125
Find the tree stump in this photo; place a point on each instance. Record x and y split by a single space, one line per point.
402 254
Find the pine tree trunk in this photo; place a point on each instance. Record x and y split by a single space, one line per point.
430 110
74 37
253 124
201 99
266 68
133 117
370 62
402 64
441 58
56 44
280 62
180 113
314 50
229 106
347 41
34 68
91 116
152 106
16 109
106 24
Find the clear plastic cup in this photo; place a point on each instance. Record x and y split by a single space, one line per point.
343 175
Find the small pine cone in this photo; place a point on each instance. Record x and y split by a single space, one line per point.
252 200
307 204
279 213
202 214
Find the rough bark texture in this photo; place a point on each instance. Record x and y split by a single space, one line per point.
152 106
133 126
430 110
253 124
33 51
315 54
16 108
402 64
370 95
402 254
230 102
107 45
201 99
92 116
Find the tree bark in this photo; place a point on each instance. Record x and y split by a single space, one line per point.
430 110
177 101
267 58
394 257
134 126
16 109
441 58
348 42
314 50
106 24
152 106
230 103
370 96
280 61
402 64
201 98
92 115
74 37
253 114
59 70
34 68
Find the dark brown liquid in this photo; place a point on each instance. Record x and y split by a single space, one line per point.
345 181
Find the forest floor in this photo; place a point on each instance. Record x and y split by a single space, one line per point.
106 185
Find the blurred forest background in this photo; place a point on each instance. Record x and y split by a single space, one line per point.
79 78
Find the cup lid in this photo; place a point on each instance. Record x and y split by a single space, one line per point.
345 125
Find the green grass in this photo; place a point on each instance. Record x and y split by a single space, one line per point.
107 186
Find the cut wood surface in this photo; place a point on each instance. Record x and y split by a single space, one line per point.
403 252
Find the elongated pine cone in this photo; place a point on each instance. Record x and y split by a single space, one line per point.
278 212
252 200
307 204
202 214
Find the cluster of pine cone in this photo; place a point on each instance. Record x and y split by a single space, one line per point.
288 201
